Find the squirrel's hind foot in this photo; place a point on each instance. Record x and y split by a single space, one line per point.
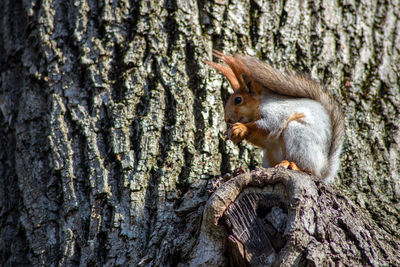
288 165
291 166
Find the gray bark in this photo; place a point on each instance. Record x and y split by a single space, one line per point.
276 217
111 126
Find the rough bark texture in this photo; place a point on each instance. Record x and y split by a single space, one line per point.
278 217
111 126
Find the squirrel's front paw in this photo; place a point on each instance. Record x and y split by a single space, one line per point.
237 132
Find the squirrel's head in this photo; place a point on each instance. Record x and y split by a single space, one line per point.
243 104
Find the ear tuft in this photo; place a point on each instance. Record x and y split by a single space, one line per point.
248 82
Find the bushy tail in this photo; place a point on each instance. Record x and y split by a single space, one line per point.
297 85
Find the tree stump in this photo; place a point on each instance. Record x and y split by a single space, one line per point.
278 217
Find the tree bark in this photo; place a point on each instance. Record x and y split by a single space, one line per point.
276 217
111 127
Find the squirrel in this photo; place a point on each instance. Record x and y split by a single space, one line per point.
290 116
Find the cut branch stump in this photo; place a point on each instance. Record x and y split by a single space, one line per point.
278 217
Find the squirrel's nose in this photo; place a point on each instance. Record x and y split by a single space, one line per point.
229 121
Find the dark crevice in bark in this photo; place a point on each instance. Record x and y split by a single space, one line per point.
80 170
83 195
3 61
96 230
37 6
315 21
254 12
95 15
354 42
170 25
117 74
151 203
301 64
381 218
204 18
105 213
189 225
55 195
11 51
217 42
282 15
192 69
77 254
303 262
242 149
119 68
3 53
242 41
218 39
253 164
368 81
111 161
183 184
15 29
18 246
102 251
277 40
13 242
170 121
170 116
147 53
54 189
380 106
141 110
225 93
33 149
88 89
133 19
350 236
84 230
10 31
225 166
136 133
174 258
71 46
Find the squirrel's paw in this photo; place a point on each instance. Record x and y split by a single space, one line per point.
288 165
237 132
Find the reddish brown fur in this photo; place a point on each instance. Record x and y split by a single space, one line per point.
255 135
265 79
295 117
271 158
245 112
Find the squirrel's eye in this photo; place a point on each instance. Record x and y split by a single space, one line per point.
238 100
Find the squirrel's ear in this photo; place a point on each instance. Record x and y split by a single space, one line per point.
248 83
239 70
237 73
227 72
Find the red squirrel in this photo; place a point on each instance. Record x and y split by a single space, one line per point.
291 117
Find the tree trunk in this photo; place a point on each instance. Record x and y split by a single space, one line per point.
111 126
